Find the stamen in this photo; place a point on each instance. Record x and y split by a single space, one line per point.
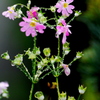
32 24
65 5
10 12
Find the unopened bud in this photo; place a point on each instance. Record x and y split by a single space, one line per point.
5 56
46 51
82 89
62 96
39 95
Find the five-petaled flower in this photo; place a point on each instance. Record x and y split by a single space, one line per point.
62 27
31 26
64 7
10 13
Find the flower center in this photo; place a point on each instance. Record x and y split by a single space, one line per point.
65 5
32 24
10 12
31 13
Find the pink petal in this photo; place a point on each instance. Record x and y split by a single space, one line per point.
33 33
22 23
59 10
63 22
28 32
22 30
65 13
26 19
67 71
58 5
64 38
69 1
40 27
59 29
69 10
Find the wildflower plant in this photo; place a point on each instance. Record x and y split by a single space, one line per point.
35 22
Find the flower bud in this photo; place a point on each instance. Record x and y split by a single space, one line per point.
46 51
5 56
66 69
37 51
62 96
18 59
82 89
52 59
43 19
31 55
19 12
77 13
58 58
79 55
53 9
71 98
39 95
29 3
66 52
66 46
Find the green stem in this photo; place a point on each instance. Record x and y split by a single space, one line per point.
71 20
34 60
57 87
79 97
22 5
33 71
58 46
31 91
72 61
34 42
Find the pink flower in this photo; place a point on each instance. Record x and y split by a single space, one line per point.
66 69
31 26
33 12
63 29
64 7
10 13
3 86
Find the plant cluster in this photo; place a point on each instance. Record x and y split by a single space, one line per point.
33 23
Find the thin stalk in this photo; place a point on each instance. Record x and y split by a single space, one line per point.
31 91
79 97
34 46
22 5
71 20
58 46
57 87
34 60
33 71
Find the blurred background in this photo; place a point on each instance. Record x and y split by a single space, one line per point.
85 37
